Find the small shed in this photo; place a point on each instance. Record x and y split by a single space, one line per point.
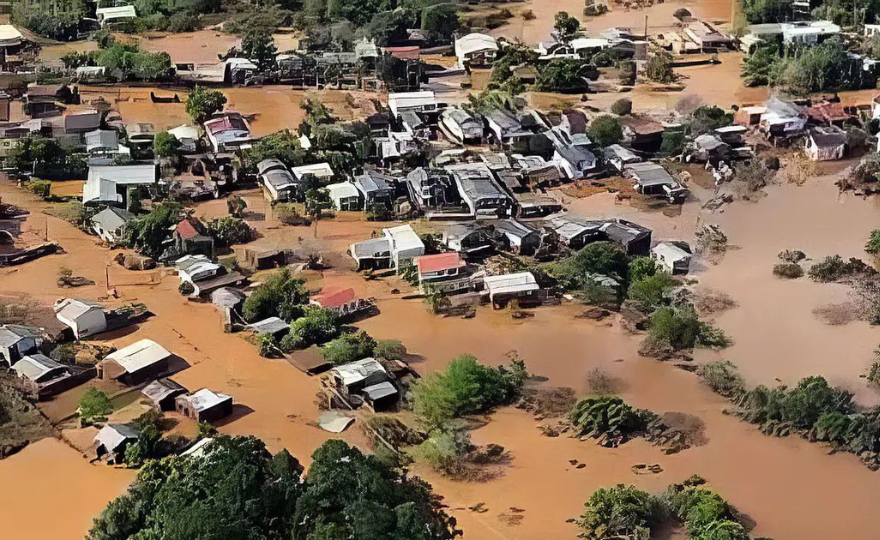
380 397
504 288
273 326
83 317
111 442
353 377
673 258
137 363
162 393
204 405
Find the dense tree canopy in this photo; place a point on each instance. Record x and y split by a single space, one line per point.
202 103
606 130
465 387
239 490
281 295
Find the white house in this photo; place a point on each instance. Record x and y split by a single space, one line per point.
674 259
83 317
322 171
105 182
277 179
826 143
405 244
476 49
345 196
116 14
423 101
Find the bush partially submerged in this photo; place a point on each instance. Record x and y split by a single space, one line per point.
609 418
680 328
465 387
722 377
621 512
788 270
834 268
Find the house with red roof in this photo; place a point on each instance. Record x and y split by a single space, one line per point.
342 301
446 273
189 237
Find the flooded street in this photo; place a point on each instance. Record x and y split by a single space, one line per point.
52 493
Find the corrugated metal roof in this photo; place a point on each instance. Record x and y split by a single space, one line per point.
139 355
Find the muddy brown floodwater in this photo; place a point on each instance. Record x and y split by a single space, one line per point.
51 474
789 487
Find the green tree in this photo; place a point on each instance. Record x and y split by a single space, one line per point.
565 75
621 512
708 118
315 327
389 349
608 416
348 494
281 295
259 46
622 107
252 496
758 66
606 130
147 233
596 259
464 387
642 267
652 291
873 245
566 26
202 103
165 145
349 348
659 68
228 231
440 21
94 405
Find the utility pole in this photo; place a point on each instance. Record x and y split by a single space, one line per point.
646 26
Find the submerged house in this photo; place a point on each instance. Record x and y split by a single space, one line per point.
442 273
467 238
109 184
228 132
137 363
204 405
826 143
654 180
163 393
366 380
674 259
431 188
110 443
516 237
43 377
342 301
619 157
17 341
521 287
476 50
506 129
396 245
415 102
83 317
375 187
110 222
